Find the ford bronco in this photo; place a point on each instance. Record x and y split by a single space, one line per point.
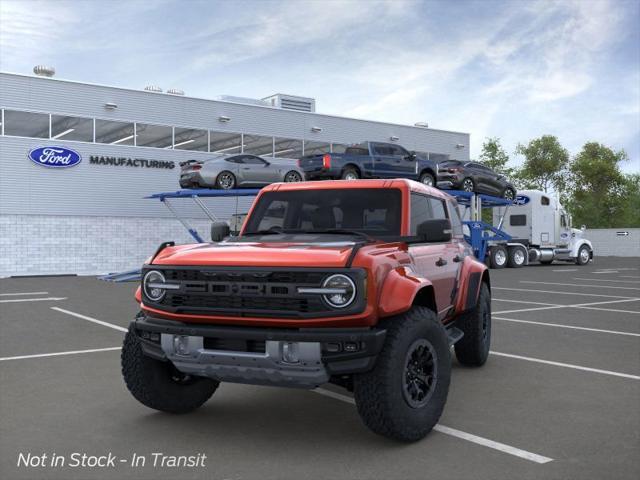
365 284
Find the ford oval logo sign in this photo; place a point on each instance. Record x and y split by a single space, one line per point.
55 157
521 200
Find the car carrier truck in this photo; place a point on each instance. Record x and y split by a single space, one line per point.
539 230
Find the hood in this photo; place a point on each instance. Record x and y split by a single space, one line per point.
269 254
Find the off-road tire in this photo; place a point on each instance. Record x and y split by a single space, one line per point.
580 260
150 381
494 256
473 348
379 393
427 176
348 174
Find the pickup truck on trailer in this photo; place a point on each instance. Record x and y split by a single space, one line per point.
364 284
370 160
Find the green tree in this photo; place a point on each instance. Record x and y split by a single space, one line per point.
600 196
495 157
545 164
630 215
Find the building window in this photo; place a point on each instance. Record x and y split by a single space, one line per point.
225 143
26 124
316 148
158 136
258 145
191 139
71 128
287 148
114 133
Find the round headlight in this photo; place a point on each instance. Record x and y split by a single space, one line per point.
344 291
152 292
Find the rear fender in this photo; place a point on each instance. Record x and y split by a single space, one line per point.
472 276
402 287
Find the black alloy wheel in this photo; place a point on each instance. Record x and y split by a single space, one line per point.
420 373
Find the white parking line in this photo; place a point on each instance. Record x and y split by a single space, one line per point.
523 301
527 290
48 299
567 365
517 452
629 276
606 271
607 280
588 306
90 319
566 270
57 354
598 330
580 285
613 310
23 293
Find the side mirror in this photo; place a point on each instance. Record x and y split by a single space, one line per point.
411 156
436 231
583 228
219 231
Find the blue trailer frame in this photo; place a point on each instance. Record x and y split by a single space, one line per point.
481 234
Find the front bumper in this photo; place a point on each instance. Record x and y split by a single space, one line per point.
256 355
449 181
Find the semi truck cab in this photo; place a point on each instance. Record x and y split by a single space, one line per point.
539 223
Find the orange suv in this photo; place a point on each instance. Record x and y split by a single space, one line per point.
365 284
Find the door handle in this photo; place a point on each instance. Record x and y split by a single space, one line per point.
246 168
457 258
441 262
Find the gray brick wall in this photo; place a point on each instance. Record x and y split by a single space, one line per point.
607 242
48 245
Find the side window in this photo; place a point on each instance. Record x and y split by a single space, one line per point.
234 160
250 159
381 149
398 151
518 220
544 201
437 207
420 211
563 220
456 222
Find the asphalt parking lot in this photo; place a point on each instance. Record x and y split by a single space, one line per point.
559 397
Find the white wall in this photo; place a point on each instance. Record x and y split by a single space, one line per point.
607 242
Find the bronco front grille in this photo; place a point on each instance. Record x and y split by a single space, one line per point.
236 291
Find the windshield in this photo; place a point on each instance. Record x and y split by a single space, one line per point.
373 212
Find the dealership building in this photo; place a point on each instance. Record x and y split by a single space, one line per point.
92 216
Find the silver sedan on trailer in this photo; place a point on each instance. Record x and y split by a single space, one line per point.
237 171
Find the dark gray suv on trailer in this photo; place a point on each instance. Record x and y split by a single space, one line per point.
474 177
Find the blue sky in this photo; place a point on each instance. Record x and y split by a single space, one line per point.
513 69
